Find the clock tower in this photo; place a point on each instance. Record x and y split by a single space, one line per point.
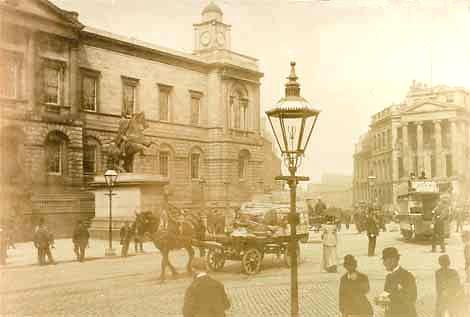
211 33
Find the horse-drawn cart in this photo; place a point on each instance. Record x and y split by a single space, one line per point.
250 250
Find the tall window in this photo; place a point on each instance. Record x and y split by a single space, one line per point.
195 109
55 154
129 90
239 110
164 158
9 76
164 102
243 164
52 85
89 159
195 158
89 92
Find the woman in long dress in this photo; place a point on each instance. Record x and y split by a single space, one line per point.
330 241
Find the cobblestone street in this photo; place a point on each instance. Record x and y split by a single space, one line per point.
128 287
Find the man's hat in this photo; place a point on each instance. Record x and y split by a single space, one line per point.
349 260
390 252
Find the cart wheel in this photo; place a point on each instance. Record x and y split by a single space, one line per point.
287 259
407 234
215 259
251 261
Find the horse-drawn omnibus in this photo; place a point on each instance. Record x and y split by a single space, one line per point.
416 205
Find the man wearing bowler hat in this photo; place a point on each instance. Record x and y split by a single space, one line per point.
400 286
353 289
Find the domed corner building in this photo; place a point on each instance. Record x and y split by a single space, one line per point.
65 86
429 132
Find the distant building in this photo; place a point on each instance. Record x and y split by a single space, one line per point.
335 190
428 135
65 86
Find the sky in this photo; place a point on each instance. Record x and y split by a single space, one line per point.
354 57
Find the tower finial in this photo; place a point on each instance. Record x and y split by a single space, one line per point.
292 86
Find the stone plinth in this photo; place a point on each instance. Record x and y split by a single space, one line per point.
133 192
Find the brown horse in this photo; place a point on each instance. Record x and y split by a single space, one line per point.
172 230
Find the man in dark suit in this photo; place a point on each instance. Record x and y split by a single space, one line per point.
448 288
353 289
80 240
372 228
438 233
205 297
400 285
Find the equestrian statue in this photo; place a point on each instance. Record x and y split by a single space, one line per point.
129 141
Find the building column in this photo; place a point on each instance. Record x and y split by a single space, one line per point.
438 153
394 166
31 70
419 147
73 84
454 146
405 150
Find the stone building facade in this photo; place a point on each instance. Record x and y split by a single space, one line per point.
428 133
65 86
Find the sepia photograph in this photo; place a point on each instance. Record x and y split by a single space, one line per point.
238 158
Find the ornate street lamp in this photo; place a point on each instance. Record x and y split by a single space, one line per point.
110 176
292 120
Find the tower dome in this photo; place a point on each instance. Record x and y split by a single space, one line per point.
212 12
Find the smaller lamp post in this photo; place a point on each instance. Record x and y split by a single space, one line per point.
292 120
110 176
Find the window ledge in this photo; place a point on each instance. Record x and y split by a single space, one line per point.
13 100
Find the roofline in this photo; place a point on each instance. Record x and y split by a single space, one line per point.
67 15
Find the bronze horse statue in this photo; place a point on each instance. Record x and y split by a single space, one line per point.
172 230
129 141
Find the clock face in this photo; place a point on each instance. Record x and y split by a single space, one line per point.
220 39
205 38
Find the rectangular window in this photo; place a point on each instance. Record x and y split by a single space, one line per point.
54 158
52 85
164 159
195 109
89 93
164 102
9 76
195 165
129 98
89 159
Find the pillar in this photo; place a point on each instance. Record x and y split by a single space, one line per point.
405 149
454 146
419 147
438 153
73 84
394 166
31 70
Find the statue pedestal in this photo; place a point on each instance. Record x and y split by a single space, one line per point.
132 193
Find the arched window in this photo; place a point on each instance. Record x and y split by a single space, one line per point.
91 156
239 109
56 153
243 158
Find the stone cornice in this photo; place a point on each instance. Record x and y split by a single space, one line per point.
92 38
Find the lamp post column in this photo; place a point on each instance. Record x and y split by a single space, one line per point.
293 244
110 233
